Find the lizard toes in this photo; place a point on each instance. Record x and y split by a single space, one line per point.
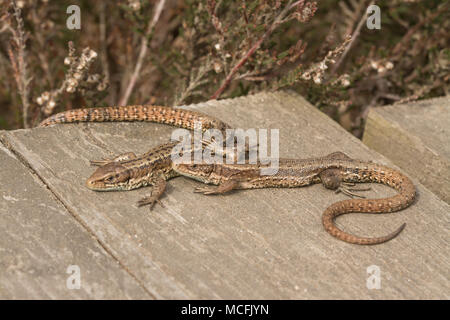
160 203
204 190
98 163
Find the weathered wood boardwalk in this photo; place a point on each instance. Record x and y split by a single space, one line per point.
415 136
256 244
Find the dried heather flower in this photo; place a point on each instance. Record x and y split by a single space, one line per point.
217 67
134 5
20 4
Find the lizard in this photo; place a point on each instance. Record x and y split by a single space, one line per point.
336 171
151 168
160 114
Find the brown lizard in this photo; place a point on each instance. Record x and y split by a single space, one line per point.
128 171
160 114
335 171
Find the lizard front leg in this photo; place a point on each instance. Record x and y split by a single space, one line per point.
159 186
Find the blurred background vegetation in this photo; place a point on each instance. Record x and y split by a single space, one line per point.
175 52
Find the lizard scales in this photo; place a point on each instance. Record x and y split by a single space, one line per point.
159 114
128 171
332 171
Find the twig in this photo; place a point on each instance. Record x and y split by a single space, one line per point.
19 63
252 50
144 44
409 34
40 40
103 54
355 35
103 43
194 82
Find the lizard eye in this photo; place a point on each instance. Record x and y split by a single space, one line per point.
110 179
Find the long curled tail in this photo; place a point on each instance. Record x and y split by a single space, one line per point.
160 114
369 172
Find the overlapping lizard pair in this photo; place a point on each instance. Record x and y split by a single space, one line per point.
335 171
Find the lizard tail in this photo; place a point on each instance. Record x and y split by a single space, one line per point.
371 173
328 222
173 116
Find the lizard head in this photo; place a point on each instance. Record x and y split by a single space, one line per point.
111 176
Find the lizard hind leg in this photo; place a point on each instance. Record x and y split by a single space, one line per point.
220 189
344 187
332 179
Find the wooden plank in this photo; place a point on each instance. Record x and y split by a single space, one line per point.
39 240
266 243
416 137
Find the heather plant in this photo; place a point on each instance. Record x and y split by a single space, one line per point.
175 52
